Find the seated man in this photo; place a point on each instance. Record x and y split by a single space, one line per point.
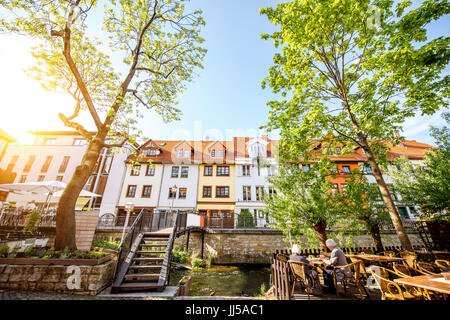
337 258
296 256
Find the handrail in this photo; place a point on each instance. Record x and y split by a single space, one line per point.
132 232
165 269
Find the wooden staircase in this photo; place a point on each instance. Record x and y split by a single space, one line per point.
145 267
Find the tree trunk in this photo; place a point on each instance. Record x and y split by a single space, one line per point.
320 231
65 214
374 230
395 217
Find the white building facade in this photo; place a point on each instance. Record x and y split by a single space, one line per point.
255 163
54 155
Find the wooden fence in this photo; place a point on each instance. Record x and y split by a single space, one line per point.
281 278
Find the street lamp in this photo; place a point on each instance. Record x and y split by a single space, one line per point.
129 207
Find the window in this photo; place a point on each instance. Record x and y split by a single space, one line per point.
343 186
172 193
259 193
146 191
63 166
152 153
49 141
184 172
403 212
180 153
247 193
216 153
150 171
206 191
246 170
272 192
222 192
47 162
135 170
223 170
23 178
29 164
12 163
175 171
305 167
208 171
346 169
187 153
59 178
335 187
131 191
107 163
41 178
79 142
368 169
338 150
182 193
145 152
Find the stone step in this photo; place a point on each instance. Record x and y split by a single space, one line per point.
138 286
149 245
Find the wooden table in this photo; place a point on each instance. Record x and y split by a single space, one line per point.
426 282
375 258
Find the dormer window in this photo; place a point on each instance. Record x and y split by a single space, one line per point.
152 152
181 153
216 153
145 152
257 149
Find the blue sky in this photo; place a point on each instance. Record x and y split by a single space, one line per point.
225 98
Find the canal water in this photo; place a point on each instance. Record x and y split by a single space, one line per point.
230 281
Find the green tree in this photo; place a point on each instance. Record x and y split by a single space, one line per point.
427 185
360 202
159 44
305 198
351 72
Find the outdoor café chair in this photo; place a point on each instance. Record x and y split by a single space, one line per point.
425 268
389 289
403 270
410 257
443 265
363 273
355 277
388 253
299 273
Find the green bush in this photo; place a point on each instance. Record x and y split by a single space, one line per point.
32 221
245 219
29 252
179 255
47 254
197 263
13 253
4 251
109 243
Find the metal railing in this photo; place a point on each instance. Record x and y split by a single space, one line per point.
16 219
148 221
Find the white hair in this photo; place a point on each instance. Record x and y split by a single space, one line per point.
330 243
296 249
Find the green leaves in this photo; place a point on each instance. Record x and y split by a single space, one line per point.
158 41
426 186
352 69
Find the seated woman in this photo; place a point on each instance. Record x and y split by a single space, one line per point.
296 256
337 258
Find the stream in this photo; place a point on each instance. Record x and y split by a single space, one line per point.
230 281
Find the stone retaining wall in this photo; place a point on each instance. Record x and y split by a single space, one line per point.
83 280
255 246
